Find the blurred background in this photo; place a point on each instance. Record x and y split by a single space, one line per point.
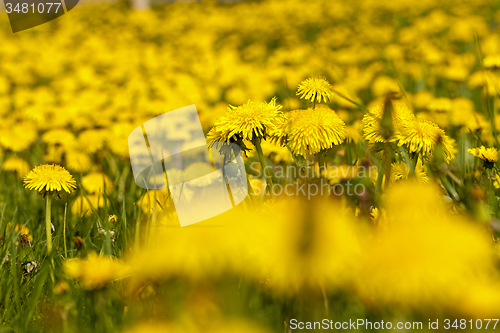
72 90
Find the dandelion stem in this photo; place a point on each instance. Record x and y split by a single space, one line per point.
48 223
263 163
64 232
387 165
321 161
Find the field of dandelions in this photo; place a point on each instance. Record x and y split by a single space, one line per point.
408 88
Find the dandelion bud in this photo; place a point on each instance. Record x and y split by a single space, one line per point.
386 127
112 219
79 243
61 287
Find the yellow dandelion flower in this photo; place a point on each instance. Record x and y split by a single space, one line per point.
372 130
94 272
18 137
248 121
79 243
442 104
488 155
315 90
61 287
24 234
59 137
310 131
49 178
421 136
112 218
353 133
91 141
384 84
147 201
94 183
78 161
401 171
422 99
17 165
274 151
492 62
84 205
117 138
429 258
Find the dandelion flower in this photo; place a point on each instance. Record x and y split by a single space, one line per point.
49 178
488 155
25 236
83 205
112 218
94 272
78 161
79 243
18 137
148 204
59 137
401 171
428 257
372 130
94 183
276 153
421 136
315 90
310 131
17 165
492 62
91 141
248 121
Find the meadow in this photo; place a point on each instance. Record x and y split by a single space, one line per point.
396 100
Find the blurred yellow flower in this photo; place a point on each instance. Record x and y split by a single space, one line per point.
17 165
59 137
372 130
155 199
429 258
85 204
78 161
91 141
401 171
492 62
95 182
94 272
17 137
112 219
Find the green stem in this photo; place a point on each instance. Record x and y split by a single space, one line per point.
48 224
321 161
263 163
64 232
387 165
414 162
